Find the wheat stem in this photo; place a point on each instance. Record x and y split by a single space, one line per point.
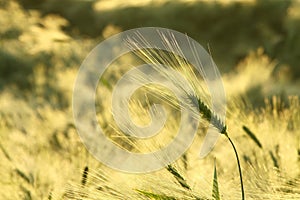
239 166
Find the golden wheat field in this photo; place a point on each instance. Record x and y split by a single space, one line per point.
255 45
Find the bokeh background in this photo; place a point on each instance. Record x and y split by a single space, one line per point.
255 44
52 36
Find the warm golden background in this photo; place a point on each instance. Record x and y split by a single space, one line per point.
255 44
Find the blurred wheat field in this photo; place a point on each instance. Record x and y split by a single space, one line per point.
42 47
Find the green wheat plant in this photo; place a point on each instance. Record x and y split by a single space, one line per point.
159 58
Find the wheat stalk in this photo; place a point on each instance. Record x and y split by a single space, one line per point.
159 58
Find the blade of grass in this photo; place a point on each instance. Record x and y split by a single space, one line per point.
24 176
155 196
84 175
252 136
178 177
273 157
215 190
5 153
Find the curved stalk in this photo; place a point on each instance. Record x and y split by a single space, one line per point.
239 166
